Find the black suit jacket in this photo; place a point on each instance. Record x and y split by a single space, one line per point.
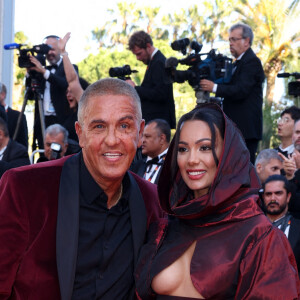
58 88
12 119
15 155
156 92
139 168
3 114
294 239
243 96
41 224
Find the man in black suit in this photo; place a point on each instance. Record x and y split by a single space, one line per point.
12 154
155 144
12 119
276 196
243 95
73 228
55 104
156 92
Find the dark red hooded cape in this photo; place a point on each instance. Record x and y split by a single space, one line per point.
239 254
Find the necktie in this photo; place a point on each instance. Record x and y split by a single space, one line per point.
235 64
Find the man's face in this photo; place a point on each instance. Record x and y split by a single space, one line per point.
285 126
152 141
296 136
237 43
142 54
2 98
53 55
276 198
59 139
266 170
109 135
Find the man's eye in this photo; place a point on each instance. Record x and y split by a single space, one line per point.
100 126
124 126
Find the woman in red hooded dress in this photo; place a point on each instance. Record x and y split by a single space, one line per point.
216 243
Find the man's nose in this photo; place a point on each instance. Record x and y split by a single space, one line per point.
111 137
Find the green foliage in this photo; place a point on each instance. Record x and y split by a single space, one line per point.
20 38
95 67
274 22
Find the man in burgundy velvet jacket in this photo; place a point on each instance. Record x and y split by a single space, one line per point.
72 228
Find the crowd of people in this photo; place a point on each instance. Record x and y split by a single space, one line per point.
134 214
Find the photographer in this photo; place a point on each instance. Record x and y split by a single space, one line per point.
12 119
12 154
155 93
243 95
55 142
55 104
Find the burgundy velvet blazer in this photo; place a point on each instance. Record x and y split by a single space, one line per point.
39 223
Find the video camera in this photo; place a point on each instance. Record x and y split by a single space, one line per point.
23 60
122 73
215 67
293 86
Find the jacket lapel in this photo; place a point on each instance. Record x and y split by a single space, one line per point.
138 216
68 226
293 233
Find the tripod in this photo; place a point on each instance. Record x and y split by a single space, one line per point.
34 91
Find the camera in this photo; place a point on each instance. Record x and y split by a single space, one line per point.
293 86
24 60
122 73
55 151
215 67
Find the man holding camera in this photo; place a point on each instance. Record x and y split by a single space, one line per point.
55 142
55 104
243 95
156 90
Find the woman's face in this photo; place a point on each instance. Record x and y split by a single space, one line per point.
71 99
195 157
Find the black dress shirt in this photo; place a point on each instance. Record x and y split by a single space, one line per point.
104 268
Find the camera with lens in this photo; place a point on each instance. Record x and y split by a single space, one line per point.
293 86
55 151
215 67
39 50
122 73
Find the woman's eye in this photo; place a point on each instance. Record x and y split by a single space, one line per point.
182 149
205 148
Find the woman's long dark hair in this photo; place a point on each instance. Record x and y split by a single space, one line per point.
213 118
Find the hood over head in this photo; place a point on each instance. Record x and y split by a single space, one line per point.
234 183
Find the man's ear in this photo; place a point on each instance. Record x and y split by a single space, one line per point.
247 40
141 131
78 129
258 168
163 138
